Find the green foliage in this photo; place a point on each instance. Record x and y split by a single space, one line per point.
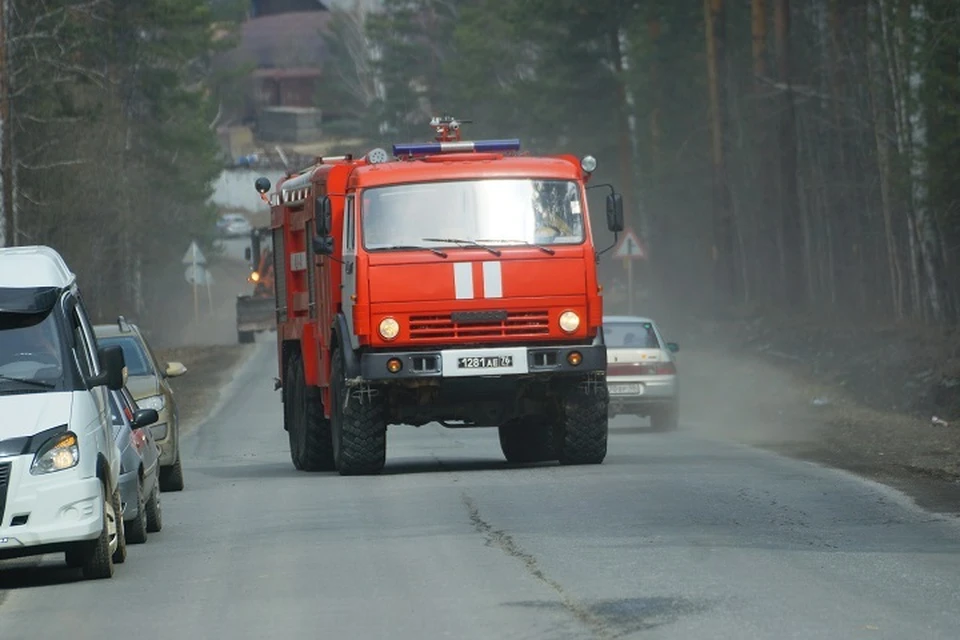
116 154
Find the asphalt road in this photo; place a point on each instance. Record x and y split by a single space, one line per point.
675 536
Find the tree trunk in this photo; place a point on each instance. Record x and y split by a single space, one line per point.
791 227
882 136
8 217
723 231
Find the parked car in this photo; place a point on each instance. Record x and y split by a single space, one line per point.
233 225
147 381
641 371
139 466
59 463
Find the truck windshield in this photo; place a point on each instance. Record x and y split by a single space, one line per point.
502 211
31 353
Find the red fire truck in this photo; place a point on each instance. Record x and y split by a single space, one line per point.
454 283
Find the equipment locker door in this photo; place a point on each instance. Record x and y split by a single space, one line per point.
349 277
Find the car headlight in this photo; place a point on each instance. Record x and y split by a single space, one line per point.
389 328
153 402
58 454
569 321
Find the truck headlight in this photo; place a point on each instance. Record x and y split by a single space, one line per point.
153 402
58 454
569 321
389 328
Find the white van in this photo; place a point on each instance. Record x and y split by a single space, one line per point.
59 464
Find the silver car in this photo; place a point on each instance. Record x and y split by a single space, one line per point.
641 371
139 466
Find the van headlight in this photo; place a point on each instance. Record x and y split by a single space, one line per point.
389 328
58 454
153 402
569 321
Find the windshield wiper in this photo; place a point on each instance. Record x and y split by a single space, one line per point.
472 243
543 248
413 246
36 383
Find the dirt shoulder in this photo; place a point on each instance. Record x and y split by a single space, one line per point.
853 398
209 369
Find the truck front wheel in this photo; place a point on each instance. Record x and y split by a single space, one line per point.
359 425
311 447
581 435
526 440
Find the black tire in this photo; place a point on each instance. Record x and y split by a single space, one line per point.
527 440
666 418
154 511
135 529
120 555
311 443
359 427
171 478
245 337
93 558
291 411
581 436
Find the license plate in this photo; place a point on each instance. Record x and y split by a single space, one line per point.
625 389
485 362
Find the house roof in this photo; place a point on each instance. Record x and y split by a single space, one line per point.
285 40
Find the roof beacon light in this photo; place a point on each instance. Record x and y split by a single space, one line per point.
430 148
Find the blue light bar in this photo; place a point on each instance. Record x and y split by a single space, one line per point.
428 148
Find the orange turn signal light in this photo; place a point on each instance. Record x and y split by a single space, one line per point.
574 358
394 365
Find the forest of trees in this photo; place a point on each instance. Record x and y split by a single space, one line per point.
799 156
108 147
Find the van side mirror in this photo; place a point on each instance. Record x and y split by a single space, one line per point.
615 212
323 212
144 418
112 365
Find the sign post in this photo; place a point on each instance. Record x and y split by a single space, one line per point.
196 275
629 249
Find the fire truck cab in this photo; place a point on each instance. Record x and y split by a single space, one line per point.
454 283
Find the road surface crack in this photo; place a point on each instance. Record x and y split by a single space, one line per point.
505 542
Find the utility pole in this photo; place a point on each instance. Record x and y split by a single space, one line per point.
7 213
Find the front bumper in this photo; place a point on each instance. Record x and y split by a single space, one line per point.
48 511
471 363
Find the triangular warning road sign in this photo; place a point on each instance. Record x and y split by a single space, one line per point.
194 255
629 247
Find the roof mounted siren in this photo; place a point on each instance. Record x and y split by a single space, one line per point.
447 132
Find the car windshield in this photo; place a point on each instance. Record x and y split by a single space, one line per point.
501 211
137 360
31 352
637 335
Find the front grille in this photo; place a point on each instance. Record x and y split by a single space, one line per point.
4 483
515 324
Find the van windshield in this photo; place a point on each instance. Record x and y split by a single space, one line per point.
503 211
31 353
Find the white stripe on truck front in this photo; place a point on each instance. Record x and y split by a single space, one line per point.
463 280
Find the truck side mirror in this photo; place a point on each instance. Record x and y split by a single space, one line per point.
262 185
615 212
253 251
323 245
324 215
247 255
112 365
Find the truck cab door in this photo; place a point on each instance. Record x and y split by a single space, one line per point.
348 282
